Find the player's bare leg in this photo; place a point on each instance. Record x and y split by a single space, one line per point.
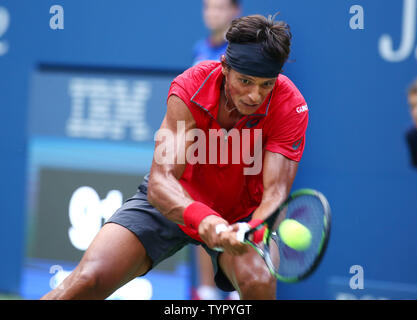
249 275
115 257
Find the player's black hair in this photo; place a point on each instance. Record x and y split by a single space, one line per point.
275 36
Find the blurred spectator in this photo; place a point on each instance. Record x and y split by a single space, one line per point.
217 15
412 132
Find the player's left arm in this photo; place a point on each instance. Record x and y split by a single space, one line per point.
283 151
278 176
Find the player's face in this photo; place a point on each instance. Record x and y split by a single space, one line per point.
246 92
218 14
412 100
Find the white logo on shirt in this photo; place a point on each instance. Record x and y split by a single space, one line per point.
302 109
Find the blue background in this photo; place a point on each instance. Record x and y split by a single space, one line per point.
355 151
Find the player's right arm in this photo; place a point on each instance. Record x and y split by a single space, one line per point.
165 192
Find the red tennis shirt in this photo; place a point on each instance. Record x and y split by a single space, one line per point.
223 185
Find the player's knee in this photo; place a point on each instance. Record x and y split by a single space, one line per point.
87 279
256 281
82 283
260 284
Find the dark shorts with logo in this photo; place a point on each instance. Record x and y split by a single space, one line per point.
160 236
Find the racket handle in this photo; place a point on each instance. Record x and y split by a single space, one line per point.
240 234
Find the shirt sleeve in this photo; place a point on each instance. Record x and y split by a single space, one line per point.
177 89
286 131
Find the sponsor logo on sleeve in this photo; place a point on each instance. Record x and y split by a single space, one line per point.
302 109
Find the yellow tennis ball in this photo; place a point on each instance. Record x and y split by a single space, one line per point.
294 234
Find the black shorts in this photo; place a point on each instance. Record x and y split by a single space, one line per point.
160 236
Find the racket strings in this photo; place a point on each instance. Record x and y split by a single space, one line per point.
285 261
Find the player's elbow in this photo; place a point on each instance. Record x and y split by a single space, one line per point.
156 188
153 191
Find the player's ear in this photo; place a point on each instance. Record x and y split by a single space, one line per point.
225 66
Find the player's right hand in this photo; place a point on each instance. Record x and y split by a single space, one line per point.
207 230
226 239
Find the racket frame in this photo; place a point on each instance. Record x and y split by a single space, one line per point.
265 252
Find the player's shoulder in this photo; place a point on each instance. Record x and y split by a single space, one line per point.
192 78
287 102
200 70
197 73
286 89
286 97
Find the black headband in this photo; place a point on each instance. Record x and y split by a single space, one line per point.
252 60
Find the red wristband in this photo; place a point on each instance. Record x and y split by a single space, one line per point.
195 213
258 235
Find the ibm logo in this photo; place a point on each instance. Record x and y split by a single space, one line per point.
108 109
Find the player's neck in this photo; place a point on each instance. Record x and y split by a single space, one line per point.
227 115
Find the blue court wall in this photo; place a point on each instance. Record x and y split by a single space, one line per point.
355 152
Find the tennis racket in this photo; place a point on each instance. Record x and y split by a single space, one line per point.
307 207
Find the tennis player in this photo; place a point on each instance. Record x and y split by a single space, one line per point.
182 202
